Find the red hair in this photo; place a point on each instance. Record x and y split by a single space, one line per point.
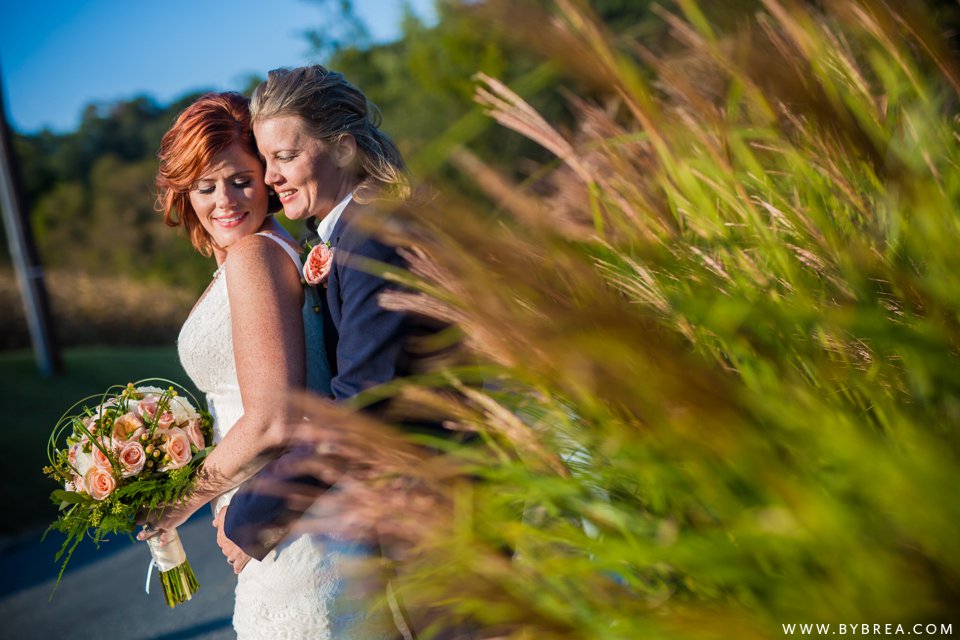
203 130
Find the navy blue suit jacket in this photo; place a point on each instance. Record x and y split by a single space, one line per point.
365 345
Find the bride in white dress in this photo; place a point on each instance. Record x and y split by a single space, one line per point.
255 333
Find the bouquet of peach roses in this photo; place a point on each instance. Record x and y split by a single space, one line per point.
131 449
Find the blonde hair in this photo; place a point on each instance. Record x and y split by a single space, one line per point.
331 108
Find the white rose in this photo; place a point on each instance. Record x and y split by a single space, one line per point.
145 390
182 410
84 461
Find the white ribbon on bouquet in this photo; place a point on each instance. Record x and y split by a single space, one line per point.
164 556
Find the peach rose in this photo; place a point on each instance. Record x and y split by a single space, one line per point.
124 426
166 420
148 407
132 458
99 483
99 459
178 448
317 265
195 434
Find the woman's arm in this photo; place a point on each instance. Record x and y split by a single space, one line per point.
268 346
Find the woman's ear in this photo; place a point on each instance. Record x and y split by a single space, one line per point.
345 151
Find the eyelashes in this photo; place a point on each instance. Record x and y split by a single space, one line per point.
240 183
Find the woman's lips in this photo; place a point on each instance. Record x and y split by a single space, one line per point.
228 222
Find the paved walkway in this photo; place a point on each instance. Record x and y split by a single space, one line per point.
101 594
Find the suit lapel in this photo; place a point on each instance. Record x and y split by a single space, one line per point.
338 229
332 310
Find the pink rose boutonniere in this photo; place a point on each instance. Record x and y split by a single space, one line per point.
316 267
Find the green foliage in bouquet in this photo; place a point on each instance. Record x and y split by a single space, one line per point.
98 427
723 333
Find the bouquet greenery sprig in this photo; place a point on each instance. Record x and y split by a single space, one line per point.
128 450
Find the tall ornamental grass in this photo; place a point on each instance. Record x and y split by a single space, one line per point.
715 369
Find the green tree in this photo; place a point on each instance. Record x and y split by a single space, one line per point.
61 221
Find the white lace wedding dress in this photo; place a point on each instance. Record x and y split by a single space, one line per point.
288 594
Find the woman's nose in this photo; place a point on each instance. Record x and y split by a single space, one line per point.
224 199
271 176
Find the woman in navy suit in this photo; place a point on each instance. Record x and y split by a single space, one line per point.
327 160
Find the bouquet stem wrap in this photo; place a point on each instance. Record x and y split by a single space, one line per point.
176 576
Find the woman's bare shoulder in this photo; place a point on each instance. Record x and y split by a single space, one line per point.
256 261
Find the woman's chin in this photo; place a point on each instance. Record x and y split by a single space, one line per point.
296 214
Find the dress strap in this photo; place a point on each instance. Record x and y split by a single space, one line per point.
286 247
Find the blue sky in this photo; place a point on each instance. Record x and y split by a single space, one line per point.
59 55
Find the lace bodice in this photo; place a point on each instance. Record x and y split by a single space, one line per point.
205 346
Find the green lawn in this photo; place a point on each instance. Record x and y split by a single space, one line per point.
30 405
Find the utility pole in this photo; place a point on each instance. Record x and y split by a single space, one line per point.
26 261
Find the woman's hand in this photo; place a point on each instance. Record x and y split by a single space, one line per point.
164 519
236 557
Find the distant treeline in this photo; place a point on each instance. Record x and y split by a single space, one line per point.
91 193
